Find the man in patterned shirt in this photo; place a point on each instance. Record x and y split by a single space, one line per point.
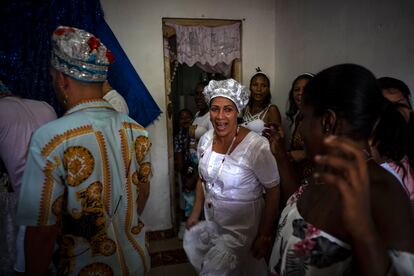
86 179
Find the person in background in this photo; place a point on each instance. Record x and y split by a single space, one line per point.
260 110
185 160
390 147
87 176
114 98
296 151
235 165
19 118
343 221
201 123
396 91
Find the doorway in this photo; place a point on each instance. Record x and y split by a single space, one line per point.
183 70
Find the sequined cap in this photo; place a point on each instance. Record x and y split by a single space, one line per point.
229 89
80 54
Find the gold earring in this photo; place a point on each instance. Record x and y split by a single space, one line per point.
65 100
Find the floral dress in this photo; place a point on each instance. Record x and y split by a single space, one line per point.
302 249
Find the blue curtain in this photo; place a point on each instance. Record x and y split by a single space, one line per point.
26 28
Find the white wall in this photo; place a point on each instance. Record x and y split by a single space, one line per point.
137 25
312 35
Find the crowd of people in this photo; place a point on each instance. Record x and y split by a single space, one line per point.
327 190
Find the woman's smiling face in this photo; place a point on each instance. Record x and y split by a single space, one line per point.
298 88
223 116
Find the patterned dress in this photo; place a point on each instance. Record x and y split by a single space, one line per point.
302 249
84 172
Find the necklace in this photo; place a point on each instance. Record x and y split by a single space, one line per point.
225 155
208 186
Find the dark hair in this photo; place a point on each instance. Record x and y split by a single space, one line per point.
268 98
292 109
352 92
388 82
390 136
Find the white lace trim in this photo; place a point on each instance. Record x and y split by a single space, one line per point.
248 117
207 45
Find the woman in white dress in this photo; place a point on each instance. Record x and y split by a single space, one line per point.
352 217
235 166
260 110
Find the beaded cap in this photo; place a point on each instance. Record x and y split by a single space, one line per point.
229 89
80 54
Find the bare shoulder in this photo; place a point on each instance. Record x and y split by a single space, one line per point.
391 209
274 108
273 115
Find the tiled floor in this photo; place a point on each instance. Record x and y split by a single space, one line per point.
168 258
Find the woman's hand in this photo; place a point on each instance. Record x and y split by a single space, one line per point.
276 136
346 168
198 205
192 220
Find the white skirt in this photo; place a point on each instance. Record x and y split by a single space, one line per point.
222 244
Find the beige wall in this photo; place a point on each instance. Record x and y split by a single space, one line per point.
312 35
137 25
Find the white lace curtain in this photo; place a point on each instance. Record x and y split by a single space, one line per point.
211 48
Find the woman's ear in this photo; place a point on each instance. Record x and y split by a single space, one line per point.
328 122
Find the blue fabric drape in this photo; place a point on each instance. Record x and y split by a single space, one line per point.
25 30
125 79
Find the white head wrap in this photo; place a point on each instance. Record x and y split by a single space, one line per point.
230 89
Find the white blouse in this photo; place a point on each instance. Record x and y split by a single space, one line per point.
250 167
